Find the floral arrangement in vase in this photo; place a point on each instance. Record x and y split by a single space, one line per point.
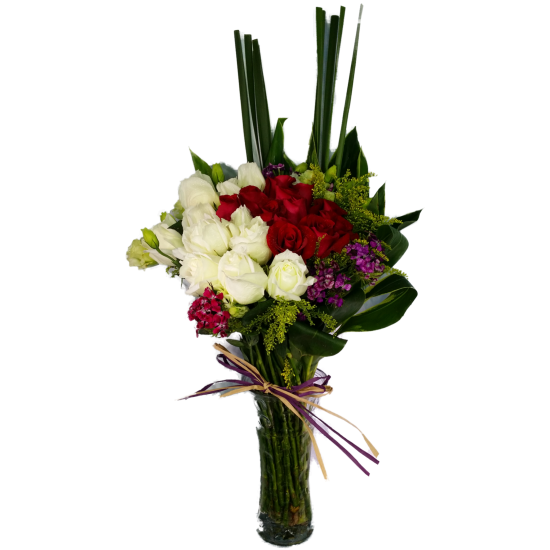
281 259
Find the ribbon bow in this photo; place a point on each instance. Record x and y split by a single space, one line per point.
292 398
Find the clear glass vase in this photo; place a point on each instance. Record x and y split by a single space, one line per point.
285 451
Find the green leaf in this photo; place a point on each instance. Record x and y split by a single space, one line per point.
228 171
248 63
217 174
320 23
391 283
260 308
407 219
311 341
352 150
352 304
261 106
244 98
401 295
312 157
177 227
397 241
328 97
236 343
200 165
341 142
281 350
288 162
362 166
377 204
275 155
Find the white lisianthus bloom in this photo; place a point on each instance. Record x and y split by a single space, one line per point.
168 219
241 216
241 278
197 189
169 239
177 211
252 241
199 270
250 174
209 236
228 187
137 255
287 276
192 216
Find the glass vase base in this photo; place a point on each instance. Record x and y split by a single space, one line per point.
283 535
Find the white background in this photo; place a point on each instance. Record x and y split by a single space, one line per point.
99 103
488 186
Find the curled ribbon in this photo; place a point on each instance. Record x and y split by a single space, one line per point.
292 398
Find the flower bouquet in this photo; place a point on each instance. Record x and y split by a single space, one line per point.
285 258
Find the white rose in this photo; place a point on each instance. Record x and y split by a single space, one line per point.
252 241
250 174
200 270
241 277
197 189
169 239
287 276
241 216
192 216
209 236
228 187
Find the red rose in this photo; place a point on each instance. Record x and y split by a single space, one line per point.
341 225
253 199
278 184
271 211
333 243
294 209
324 205
332 229
283 235
228 205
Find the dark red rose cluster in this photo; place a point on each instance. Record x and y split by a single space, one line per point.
295 223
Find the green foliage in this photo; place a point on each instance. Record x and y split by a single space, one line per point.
352 194
275 317
318 182
309 340
395 271
287 374
200 165
276 155
394 242
407 219
401 294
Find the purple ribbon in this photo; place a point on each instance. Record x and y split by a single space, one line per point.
318 382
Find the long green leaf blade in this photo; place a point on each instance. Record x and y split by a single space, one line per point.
262 108
397 241
391 283
352 304
276 155
320 28
250 84
362 165
352 150
341 142
407 219
311 341
244 98
328 99
377 204
288 162
389 312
